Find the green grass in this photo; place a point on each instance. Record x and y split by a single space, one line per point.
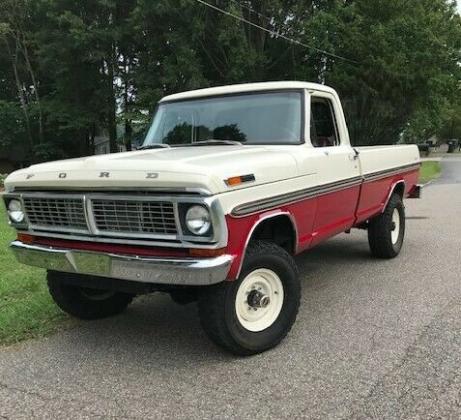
26 308
429 170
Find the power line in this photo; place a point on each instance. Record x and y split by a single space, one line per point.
269 19
252 10
276 34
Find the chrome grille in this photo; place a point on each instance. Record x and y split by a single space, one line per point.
56 213
134 217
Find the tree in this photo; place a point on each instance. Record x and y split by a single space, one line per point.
74 69
450 128
406 55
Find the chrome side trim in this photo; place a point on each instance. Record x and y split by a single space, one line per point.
181 271
295 196
271 202
389 172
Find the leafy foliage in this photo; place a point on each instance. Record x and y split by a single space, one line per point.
11 124
71 70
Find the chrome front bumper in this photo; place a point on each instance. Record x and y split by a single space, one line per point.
180 271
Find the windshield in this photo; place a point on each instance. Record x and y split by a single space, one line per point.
263 118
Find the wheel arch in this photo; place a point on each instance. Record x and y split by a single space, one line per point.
397 187
273 222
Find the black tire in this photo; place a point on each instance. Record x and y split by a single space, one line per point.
184 296
380 230
217 303
83 302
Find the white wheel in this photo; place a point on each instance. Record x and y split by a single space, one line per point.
255 312
259 300
395 232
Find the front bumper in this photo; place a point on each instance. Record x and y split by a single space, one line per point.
178 271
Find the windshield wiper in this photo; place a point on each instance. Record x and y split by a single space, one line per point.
209 142
214 142
154 146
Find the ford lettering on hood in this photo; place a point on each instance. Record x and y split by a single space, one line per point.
206 167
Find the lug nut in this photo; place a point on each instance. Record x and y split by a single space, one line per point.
264 302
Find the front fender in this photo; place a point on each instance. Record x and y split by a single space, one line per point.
241 230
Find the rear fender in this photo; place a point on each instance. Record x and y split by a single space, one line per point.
399 187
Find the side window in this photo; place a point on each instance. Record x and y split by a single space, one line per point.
323 124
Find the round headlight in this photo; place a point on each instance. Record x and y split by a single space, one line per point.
15 211
198 220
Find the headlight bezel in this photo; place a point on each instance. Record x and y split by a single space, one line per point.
200 216
16 223
187 231
16 211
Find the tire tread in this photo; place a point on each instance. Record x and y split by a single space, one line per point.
213 299
379 237
68 298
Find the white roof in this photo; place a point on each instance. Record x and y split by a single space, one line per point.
247 87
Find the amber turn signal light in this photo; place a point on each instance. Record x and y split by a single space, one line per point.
237 180
195 252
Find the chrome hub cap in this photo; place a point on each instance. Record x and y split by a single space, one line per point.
259 300
395 227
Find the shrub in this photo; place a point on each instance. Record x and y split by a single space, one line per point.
2 179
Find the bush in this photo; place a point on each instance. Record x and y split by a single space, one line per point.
2 179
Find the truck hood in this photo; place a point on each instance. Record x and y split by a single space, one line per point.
201 167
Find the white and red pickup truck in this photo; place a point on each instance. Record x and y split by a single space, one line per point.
230 183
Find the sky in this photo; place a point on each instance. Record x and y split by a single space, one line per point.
459 6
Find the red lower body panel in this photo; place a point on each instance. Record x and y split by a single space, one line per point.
315 219
319 218
335 213
374 194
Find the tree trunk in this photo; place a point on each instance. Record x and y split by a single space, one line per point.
22 99
126 105
25 53
92 135
111 109
128 135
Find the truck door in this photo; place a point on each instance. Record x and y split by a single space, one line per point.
337 165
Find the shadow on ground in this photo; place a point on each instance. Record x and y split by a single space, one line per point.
155 325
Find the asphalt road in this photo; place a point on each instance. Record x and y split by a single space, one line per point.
374 339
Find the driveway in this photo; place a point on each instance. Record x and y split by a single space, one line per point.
374 339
